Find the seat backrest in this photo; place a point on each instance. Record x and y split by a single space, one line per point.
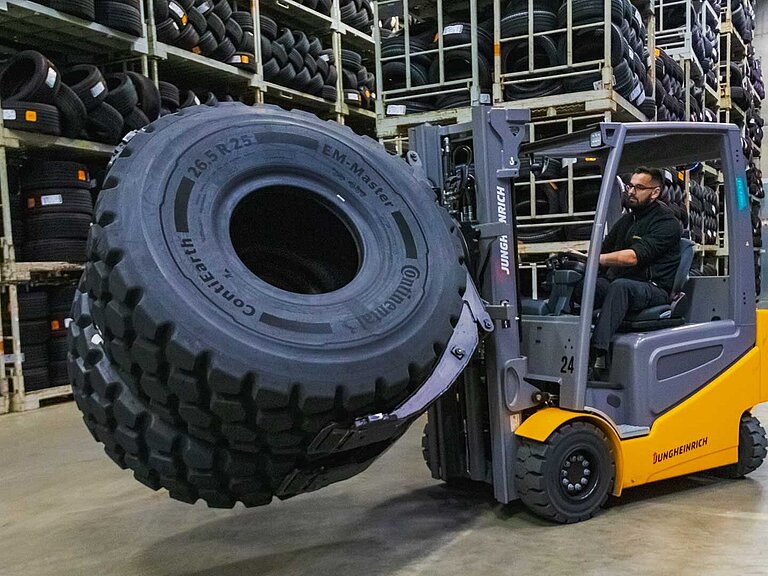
686 259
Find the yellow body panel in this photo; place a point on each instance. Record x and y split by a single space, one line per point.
700 433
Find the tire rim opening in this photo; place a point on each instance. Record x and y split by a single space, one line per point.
291 240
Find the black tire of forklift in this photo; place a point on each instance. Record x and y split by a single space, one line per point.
543 467
221 371
752 449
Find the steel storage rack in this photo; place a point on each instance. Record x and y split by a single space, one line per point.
34 26
450 56
28 25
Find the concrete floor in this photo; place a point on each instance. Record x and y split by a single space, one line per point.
65 509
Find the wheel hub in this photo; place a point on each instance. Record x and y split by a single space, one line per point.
578 476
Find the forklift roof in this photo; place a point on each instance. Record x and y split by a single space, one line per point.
659 144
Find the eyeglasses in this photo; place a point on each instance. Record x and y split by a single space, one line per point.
638 187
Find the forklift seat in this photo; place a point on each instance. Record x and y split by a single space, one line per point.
667 315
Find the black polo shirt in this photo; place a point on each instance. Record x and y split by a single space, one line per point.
654 234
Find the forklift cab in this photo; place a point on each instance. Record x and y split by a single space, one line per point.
685 373
666 353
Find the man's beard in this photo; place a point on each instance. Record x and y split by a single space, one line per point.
634 204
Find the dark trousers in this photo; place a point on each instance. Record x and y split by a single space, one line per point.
616 298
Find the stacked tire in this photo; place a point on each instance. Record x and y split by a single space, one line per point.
80 103
359 84
210 28
394 71
743 19
29 93
321 6
704 214
34 335
173 98
123 15
548 200
673 195
294 60
57 211
704 30
629 55
357 13
670 89
85 9
60 300
44 316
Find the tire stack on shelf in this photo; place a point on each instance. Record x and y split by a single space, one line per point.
703 214
58 209
59 305
704 33
357 13
209 28
78 103
673 195
105 109
743 19
172 98
629 56
294 60
670 89
85 9
34 334
359 84
123 15
29 88
394 71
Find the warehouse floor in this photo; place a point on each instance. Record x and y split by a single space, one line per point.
65 509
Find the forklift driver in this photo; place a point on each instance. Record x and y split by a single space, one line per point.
639 259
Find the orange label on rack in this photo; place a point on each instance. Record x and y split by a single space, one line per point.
658 52
30 116
680 176
30 202
497 49
184 19
82 176
55 325
244 59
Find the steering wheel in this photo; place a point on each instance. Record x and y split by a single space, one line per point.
568 261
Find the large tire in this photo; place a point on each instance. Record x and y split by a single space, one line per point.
584 453
160 454
238 326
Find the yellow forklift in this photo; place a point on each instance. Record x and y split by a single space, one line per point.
684 376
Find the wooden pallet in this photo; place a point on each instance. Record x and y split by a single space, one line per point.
39 398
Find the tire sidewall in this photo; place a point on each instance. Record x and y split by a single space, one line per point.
195 268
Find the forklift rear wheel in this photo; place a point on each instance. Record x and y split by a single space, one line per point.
569 477
752 449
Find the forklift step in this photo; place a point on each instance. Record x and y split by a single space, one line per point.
628 431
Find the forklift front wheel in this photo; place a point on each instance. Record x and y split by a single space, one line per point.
568 477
